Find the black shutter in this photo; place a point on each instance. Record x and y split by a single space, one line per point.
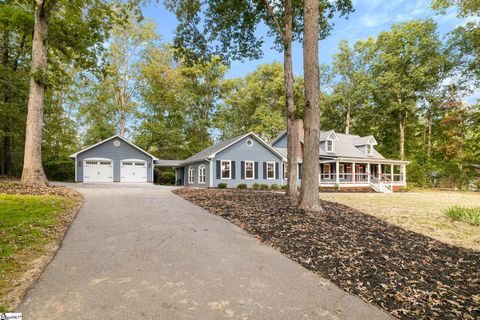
242 169
283 170
300 171
264 170
276 170
219 169
233 169
256 170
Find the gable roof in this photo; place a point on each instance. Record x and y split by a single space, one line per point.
328 135
361 141
347 146
211 151
111 138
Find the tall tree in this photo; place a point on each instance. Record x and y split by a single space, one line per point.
309 196
401 71
230 28
79 27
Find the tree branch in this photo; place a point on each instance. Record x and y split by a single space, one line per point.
275 20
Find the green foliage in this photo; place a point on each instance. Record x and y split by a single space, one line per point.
274 186
222 185
165 176
469 215
61 170
263 186
242 186
284 187
255 186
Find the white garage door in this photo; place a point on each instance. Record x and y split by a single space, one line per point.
133 171
97 170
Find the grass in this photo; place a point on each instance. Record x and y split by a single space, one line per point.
29 224
422 212
470 215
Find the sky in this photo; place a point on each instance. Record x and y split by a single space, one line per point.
369 19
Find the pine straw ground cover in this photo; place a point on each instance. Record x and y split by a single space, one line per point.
409 275
32 223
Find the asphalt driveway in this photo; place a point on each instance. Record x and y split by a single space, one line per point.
141 252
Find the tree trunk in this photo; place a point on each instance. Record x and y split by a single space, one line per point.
309 196
401 123
347 121
429 130
33 173
293 140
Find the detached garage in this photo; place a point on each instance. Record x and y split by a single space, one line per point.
113 160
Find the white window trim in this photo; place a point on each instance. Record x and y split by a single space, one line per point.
285 171
266 167
229 171
204 174
191 174
326 146
253 170
371 149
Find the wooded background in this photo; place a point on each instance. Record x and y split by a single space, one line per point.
107 75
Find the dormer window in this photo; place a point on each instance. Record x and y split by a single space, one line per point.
329 145
369 149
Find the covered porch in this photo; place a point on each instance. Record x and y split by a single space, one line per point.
380 174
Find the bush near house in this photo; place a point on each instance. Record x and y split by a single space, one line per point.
255 186
222 185
470 215
274 186
284 187
60 170
263 186
242 186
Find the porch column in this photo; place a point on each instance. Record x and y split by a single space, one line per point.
353 173
337 172
404 173
380 171
320 174
391 173
368 172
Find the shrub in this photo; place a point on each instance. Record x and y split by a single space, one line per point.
470 215
255 186
274 186
61 170
222 185
263 186
242 186
284 187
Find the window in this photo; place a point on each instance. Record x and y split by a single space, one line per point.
249 142
369 149
226 169
326 171
270 170
342 171
191 175
140 164
329 145
249 169
116 143
285 171
90 162
201 174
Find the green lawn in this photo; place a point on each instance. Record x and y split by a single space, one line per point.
28 226
422 211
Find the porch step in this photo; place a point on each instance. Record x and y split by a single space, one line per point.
379 186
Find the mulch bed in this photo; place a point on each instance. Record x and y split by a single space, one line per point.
19 189
409 275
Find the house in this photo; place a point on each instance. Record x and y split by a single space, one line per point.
346 162
113 160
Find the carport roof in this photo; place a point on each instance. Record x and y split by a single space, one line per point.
108 139
168 163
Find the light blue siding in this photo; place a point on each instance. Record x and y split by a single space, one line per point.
281 143
109 151
239 152
196 166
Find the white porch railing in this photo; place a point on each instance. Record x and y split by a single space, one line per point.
379 185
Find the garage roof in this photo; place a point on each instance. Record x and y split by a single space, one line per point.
111 138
